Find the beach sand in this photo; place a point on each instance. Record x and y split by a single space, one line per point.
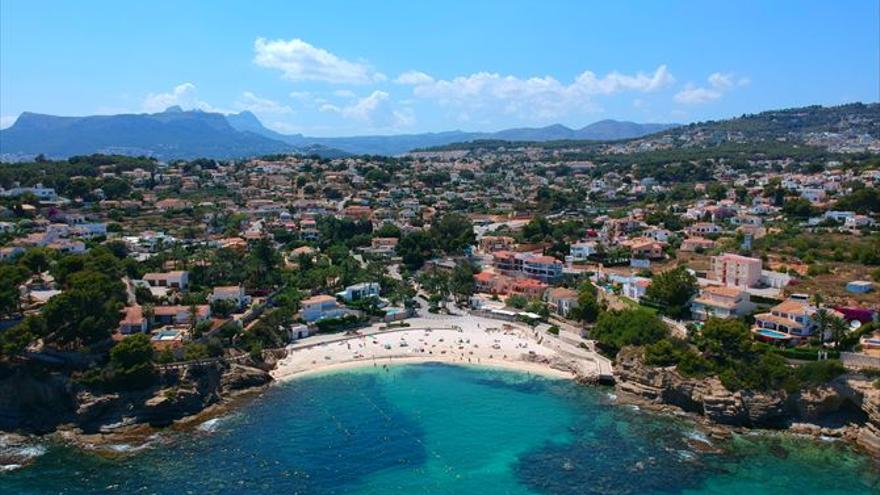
493 348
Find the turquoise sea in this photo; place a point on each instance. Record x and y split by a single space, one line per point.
440 429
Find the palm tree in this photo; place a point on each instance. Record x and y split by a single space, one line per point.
149 311
822 319
839 329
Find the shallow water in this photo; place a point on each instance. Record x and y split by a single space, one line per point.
439 429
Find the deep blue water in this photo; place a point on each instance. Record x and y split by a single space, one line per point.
438 429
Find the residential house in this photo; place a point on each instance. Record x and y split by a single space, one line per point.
794 317
695 244
133 320
582 250
384 244
643 248
232 293
359 291
702 228
544 268
319 307
636 287
528 288
561 300
178 279
721 302
493 243
180 314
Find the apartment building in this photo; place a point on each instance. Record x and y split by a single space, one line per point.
733 270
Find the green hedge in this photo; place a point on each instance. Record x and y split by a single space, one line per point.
802 354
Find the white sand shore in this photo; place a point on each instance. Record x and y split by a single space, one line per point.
485 347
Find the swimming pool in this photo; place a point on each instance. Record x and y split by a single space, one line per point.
772 334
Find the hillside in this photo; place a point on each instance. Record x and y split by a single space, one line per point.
847 128
189 134
167 135
604 130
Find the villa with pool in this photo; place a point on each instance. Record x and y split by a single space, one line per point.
789 322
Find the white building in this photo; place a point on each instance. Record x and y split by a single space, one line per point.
360 291
582 250
233 293
319 307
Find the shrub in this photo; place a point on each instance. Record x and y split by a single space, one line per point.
819 372
553 330
616 329
662 353
694 365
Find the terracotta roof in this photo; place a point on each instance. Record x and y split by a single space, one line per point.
318 299
562 293
134 315
722 291
778 320
715 303
791 307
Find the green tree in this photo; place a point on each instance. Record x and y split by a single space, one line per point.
862 200
725 339
131 362
616 329
673 291
516 301
461 283
452 233
36 260
798 208
11 276
415 248
587 308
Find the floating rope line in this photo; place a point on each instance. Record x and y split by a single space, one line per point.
410 435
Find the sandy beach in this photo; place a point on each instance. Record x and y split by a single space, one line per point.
492 346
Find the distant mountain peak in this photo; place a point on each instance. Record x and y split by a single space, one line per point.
174 109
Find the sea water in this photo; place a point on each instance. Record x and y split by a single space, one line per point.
441 429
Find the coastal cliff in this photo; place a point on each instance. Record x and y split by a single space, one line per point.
847 407
44 403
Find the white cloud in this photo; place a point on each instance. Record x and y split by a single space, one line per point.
251 102
693 95
414 77
300 61
375 110
301 95
719 84
7 121
183 95
344 93
544 97
362 109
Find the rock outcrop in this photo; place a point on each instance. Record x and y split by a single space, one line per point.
42 404
847 406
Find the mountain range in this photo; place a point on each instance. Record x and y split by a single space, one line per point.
175 133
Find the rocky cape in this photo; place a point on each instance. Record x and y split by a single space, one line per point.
848 407
53 403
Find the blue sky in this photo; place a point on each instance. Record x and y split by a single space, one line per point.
340 68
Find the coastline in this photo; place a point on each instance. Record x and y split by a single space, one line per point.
527 367
512 349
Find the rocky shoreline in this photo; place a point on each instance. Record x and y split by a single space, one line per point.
847 408
110 424
54 408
